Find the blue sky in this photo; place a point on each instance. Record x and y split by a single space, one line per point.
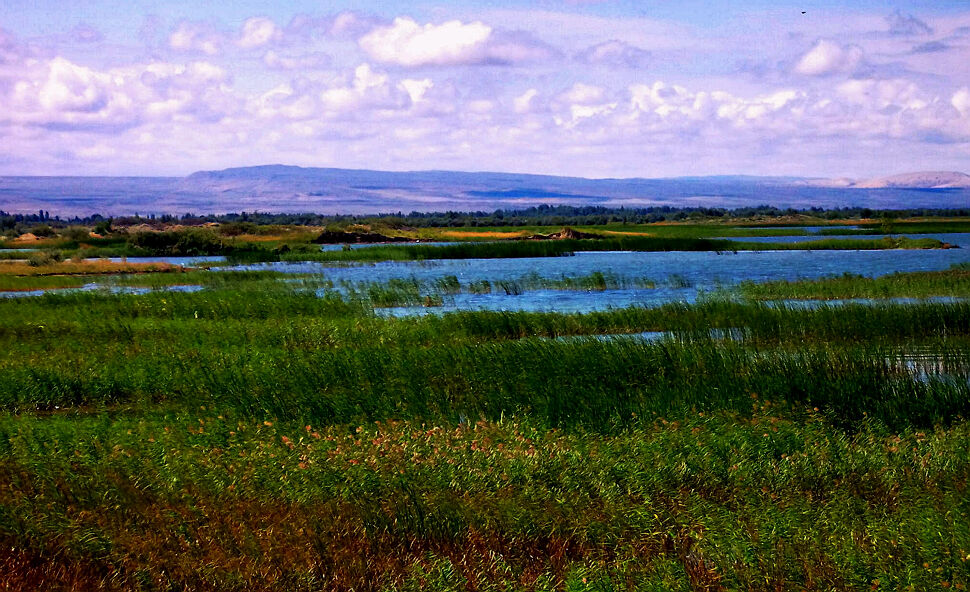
592 88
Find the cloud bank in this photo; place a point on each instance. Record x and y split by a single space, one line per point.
553 95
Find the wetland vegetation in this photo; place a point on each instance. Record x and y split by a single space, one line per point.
272 431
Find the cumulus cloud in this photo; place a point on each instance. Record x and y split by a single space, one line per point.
197 37
909 25
581 94
61 95
407 43
880 95
351 24
827 57
615 53
416 89
257 32
368 89
581 120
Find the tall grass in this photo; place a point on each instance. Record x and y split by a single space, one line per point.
906 227
270 435
414 292
954 282
229 345
210 500
559 248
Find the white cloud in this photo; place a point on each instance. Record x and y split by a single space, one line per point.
196 37
72 88
827 57
578 113
366 90
351 24
480 106
407 43
961 101
615 53
61 95
257 32
416 89
284 102
582 94
524 102
316 110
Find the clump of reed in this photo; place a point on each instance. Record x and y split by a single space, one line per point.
954 282
566 247
271 435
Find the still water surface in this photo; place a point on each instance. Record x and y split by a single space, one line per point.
679 276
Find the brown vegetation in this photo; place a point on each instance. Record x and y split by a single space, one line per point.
84 267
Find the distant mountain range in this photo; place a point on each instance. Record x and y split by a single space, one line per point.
922 180
280 188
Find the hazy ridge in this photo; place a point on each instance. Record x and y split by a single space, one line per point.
280 188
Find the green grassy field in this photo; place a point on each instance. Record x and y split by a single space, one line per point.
256 436
954 282
566 247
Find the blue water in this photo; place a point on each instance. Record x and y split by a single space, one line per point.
679 276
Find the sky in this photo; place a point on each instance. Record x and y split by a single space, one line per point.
593 88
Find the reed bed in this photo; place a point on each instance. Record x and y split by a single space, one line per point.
228 345
954 283
409 292
210 500
139 275
271 435
566 247
904 227
83 267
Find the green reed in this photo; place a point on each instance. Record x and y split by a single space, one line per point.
265 434
559 248
954 282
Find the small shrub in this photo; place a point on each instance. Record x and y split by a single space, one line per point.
237 228
76 233
103 227
42 258
43 231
